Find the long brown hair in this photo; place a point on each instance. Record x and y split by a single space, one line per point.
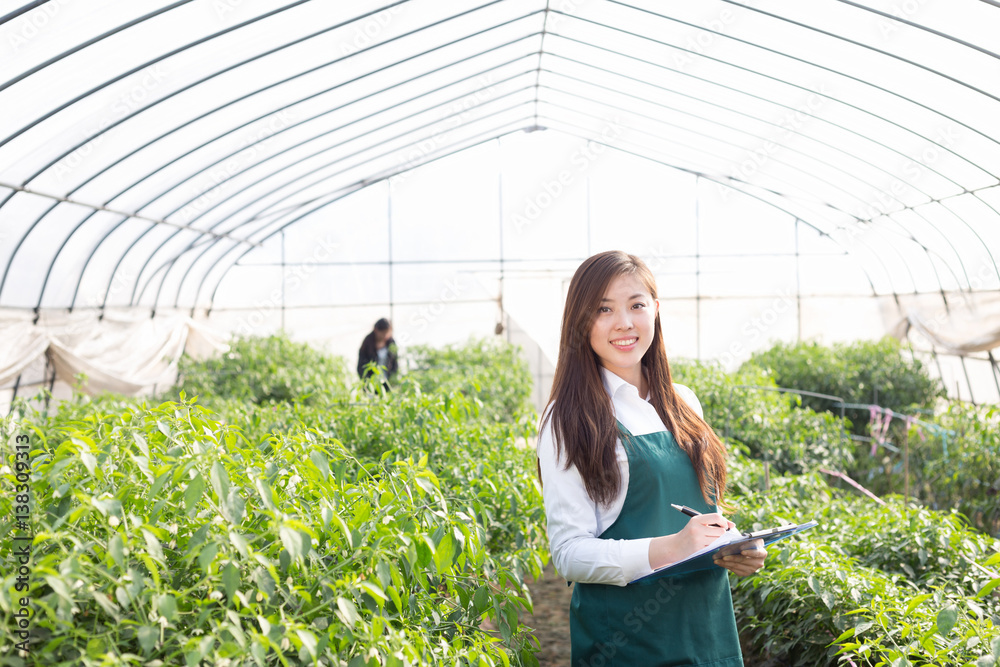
583 421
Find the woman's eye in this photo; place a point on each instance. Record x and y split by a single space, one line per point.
638 305
603 309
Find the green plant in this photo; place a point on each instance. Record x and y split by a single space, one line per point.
489 370
264 370
859 372
747 409
249 534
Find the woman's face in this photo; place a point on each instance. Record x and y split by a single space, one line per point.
382 336
623 328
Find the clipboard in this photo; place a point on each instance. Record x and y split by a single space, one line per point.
705 559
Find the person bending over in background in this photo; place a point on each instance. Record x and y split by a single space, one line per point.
379 348
608 505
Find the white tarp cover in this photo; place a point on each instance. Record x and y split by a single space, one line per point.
124 352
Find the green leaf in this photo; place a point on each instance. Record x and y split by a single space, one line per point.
220 480
116 547
308 641
293 542
148 636
443 553
482 600
985 590
89 461
946 620
986 661
193 493
347 612
207 555
167 604
321 462
264 489
915 602
230 579
374 590
233 507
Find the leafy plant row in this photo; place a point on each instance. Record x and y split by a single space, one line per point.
238 533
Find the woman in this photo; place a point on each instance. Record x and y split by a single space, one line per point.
608 503
379 348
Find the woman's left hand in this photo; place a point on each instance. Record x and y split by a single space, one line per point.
746 562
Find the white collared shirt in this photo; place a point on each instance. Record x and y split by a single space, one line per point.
575 522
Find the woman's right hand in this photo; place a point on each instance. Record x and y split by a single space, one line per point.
700 531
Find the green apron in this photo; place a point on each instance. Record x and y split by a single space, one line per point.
680 620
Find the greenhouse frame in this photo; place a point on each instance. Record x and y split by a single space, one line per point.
174 172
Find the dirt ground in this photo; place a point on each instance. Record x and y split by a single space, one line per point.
550 596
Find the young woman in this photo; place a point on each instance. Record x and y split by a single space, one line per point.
619 443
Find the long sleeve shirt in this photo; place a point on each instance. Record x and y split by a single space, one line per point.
575 521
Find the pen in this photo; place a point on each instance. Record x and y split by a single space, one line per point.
684 509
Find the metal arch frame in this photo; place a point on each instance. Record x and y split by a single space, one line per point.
934 267
297 124
10 16
944 262
299 161
264 54
849 194
708 177
868 112
80 47
932 225
351 189
913 24
830 69
791 130
731 184
492 27
788 83
251 185
301 205
5 140
923 247
872 10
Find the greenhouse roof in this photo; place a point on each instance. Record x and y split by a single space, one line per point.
184 135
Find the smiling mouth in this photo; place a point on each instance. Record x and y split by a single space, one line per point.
624 342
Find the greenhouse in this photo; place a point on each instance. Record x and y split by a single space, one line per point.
207 205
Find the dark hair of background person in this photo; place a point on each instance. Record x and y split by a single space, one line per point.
583 420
